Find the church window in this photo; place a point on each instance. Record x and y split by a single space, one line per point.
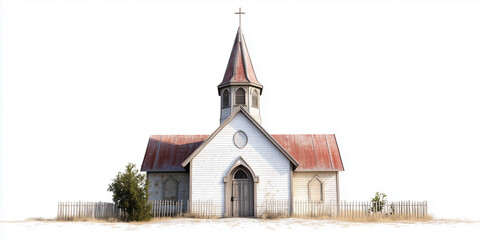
170 189
240 96
240 174
315 190
226 99
255 99
240 139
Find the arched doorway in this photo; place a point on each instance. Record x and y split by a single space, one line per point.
240 191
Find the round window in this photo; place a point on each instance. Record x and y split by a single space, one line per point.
240 139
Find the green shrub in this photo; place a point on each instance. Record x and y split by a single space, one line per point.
378 201
130 194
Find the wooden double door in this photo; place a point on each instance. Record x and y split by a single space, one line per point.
242 196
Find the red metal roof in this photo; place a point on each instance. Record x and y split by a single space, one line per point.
165 153
314 152
239 67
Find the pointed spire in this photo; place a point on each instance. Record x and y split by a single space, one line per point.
239 67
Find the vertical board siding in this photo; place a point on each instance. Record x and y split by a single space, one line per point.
212 164
157 181
301 180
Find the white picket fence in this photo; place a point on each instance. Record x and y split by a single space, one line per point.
396 209
164 208
272 208
109 211
348 209
88 210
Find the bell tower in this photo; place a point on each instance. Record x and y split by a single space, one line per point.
240 86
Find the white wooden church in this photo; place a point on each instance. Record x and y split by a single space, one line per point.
240 166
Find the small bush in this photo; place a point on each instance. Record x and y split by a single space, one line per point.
378 201
130 194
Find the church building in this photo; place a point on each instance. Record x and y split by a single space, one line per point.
240 167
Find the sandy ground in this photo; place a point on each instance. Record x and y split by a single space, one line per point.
183 228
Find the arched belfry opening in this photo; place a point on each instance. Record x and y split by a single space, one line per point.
240 190
240 96
255 99
226 99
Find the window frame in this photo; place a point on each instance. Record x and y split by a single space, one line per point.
244 96
245 175
164 190
223 99
255 99
322 189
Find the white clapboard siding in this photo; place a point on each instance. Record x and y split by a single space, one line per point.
157 183
301 180
212 164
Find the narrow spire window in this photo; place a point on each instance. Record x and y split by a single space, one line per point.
226 99
240 96
255 99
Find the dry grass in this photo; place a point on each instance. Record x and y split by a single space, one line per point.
110 220
366 219
113 220
270 215
265 216
322 217
387 219
39 219
199 216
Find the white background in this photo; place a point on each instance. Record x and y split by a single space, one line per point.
240 228
84 84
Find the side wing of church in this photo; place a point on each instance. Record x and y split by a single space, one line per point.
240 167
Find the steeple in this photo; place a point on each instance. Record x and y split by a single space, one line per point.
240 86
239 67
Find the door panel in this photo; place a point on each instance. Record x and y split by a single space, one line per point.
235 198
242 204
245 197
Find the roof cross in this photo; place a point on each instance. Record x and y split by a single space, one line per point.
240 16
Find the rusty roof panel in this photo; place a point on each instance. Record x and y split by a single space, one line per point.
314 152
322 151
335 153
239 71
300 147
150 154
252 77
167 152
